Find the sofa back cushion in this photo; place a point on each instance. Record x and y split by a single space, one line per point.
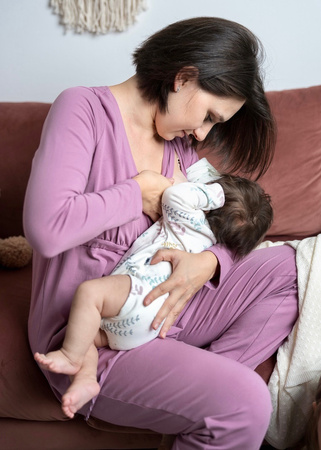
294 177
293 180
20 129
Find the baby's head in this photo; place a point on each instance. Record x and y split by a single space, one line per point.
247 214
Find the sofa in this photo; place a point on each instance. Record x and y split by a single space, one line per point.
30 415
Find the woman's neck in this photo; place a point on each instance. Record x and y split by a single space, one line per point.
138 114
146 146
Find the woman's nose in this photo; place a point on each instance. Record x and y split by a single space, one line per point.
201 132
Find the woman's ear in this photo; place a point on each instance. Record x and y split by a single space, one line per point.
189 73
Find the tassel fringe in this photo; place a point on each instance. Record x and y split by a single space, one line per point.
98 16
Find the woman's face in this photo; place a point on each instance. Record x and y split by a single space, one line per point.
192 111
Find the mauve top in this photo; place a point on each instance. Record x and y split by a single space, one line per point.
83 210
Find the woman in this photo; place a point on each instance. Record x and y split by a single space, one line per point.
105 157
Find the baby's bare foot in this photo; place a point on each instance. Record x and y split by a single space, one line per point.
56 362
78 394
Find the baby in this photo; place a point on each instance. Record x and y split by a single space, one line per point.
210 208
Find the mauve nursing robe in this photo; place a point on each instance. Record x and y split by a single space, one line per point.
82 209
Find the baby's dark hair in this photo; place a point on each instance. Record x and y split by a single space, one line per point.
242 222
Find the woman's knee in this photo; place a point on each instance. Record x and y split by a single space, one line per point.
258 406
239 420
280 259
231 392
248 419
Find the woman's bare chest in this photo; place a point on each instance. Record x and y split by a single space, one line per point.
147 155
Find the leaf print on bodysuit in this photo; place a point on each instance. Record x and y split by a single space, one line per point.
177 228
122 327
155 281
137 290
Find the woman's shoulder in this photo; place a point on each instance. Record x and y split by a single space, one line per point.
88 104
82 95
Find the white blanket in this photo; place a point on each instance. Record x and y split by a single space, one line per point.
298 369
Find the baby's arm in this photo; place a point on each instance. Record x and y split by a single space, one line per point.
184 201
183 214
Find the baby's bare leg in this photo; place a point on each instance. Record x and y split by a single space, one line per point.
84 385
102 297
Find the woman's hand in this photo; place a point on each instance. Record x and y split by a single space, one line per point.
190 272
152 186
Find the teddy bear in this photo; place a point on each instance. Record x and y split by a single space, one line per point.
15 252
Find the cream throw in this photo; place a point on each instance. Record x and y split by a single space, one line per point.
295 378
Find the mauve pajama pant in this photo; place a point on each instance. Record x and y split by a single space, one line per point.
199 382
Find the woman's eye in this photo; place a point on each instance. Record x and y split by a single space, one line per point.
208 118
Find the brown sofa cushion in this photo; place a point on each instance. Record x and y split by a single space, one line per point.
20 128
25 393
294 178
74 435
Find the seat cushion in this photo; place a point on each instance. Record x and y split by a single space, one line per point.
25 393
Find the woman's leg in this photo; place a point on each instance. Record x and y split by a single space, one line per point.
208 401
252 311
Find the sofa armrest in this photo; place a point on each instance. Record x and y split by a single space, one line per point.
20 130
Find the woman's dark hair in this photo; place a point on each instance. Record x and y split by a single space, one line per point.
227 57
242 222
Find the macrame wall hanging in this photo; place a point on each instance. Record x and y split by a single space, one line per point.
98 16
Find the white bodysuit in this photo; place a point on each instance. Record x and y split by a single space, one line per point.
183 226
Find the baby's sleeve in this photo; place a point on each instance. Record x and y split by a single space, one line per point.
189 198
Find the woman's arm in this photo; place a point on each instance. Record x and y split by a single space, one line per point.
58 212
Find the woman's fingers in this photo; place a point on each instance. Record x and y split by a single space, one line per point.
170 311
168 285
